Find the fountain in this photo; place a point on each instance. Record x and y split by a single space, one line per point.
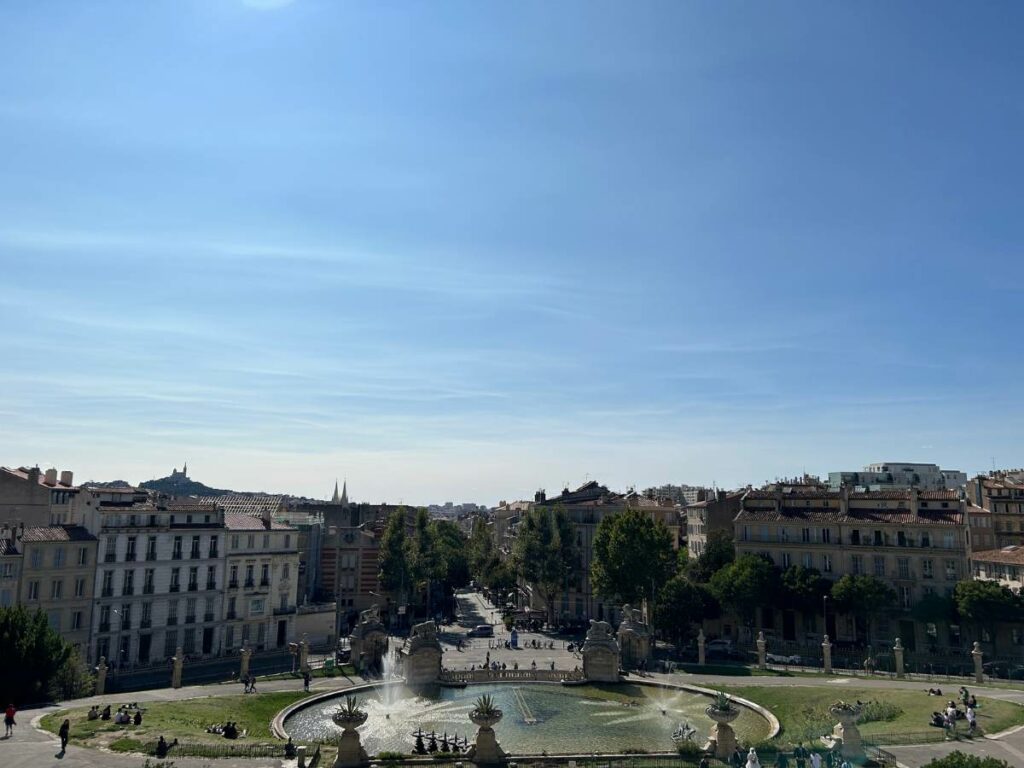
600 654
722 740
422 657
369 640
845 734
350 751
634 637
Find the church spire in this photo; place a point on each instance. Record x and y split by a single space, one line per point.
344 491
335 499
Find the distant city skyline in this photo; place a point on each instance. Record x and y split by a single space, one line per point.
463 250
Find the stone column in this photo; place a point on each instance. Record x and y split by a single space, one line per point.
179 660
300 753
897 654
979 674
101 676
243 673
826 651
700 647
304 655
762 647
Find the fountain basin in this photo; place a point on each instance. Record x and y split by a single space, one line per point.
538 717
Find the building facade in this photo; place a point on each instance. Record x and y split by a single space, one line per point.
713 514
1001 495
36 498
899 475
916 542
10 566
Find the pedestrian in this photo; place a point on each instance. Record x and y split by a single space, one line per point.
704 762
64 732
252 683
800 755
9 721
815 760
737 758
305 681
972 720
781 761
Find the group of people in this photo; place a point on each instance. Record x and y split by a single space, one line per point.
127 714
802 757
229 730
947 717
249 684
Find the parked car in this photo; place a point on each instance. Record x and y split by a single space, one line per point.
482 630
781 658
1004 670
719 644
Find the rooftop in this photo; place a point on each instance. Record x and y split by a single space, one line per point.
1012 555
236 521
58 533
246 503
853 515
23 473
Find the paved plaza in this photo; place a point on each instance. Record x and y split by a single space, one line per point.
33 748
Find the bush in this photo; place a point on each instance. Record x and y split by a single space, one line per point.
689 749
960 760
391 755
875 711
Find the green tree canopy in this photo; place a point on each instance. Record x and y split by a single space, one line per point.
803 589
743 585
392 556
37 662
960 760
633 556
545 553
719 552
424 558
986 603
682 605
933 608
481 549
452 554
863 596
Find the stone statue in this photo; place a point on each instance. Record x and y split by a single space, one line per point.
600 653
422 655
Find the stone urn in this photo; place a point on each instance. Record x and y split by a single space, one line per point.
486 750
845 734
350 751
722 739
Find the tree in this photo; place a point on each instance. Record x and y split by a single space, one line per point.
958 759
803 589
424 560
633 556
681 605
481 550
453 570
37 660
718 553
392 558
986 603
745 584
863 597
545 553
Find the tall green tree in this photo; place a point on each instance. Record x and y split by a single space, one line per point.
744 584
545 553
719 552
424 558
37 663
482 551
863 597
453 557
683 605
986 604
393 558
803 589
633 556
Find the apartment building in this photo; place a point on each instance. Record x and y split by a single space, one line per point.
1004 565
10 566
262 566
1001 494
159 583
58 567
917 542
899 475
36 498
715 513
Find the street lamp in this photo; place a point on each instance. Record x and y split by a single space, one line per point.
824 602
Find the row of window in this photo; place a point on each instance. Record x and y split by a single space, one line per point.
58 558
878 538
177 548
859 565
56 589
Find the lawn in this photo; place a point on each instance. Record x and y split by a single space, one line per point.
183 720
803 712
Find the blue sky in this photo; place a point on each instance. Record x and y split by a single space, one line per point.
465 250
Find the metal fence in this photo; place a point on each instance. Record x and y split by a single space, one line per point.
201 749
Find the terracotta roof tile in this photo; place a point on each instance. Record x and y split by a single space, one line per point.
1010 555
236 521
58 533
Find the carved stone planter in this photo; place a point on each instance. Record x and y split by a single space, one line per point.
845 733
350 751
486 750
722 740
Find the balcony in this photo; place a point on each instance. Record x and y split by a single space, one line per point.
109 557
207 617
211 585
104 626
147 589
194 554
213 554
129 557
150 556
249 584
126 624
193 586
264 582
284 611
190 618
176 555
145 624
107 592
174 588
232 615
129 590
233 584
172 621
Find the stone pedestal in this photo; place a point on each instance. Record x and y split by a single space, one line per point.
978 656
722 739
826 654
486 750
178 661
300 756
600 654
350 750
369 640
243 671
701 652
304 655
422 657
846 734
897 654
634 638
762 651
101 676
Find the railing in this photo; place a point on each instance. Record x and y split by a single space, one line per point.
211 585
147 589
193 586
207 617
129 557
232 615
197 749
190 618
249 584
284 611
172 621
104 626
174 588
129 590
213 554
176 555
151 556
194 554
145 623
487 675
233 584
107 592
264 582
109 557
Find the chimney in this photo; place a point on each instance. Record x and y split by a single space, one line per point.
913 500
33 475
265 516
51 476
66 477
540 496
